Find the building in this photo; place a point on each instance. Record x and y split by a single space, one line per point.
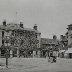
63 42
69 34
68 52
48 45
20 40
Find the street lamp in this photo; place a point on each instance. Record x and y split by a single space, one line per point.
7 50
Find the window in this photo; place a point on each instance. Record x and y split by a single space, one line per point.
12 33
36 52
36 35
2 41
71 35
21 42
2 33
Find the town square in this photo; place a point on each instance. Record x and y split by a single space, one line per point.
36 36
36 65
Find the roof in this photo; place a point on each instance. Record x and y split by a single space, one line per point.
70 25
29 29
48 41
14 26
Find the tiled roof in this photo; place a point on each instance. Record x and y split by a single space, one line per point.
14 26
48 41
29 29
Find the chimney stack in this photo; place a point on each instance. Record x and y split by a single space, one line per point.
4 23
21 24
35 27
61 37
54 37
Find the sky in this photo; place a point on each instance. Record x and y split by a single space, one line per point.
51 16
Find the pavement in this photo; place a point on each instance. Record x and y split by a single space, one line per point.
35 65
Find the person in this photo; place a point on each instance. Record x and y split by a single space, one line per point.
54 56
48 57
51 57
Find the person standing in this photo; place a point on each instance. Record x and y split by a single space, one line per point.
51 57
48 56
54 56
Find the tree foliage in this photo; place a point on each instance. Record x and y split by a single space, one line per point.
25 41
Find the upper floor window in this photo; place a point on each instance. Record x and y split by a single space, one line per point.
12 33
2 41
71 36
21 33
2 33
21 42
36 35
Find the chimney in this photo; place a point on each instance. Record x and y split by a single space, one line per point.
21 24
54 37
61 37
4 23
35 27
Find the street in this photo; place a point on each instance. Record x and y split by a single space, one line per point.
36 65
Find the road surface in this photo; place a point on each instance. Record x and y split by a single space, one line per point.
36 65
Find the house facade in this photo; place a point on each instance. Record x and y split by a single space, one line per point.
63 42
22 41
69 34
48 45
68 52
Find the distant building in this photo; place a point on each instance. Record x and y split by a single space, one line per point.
63 42
68 52
21 40
48 45
69 34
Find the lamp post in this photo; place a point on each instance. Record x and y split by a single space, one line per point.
6 55
7 51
